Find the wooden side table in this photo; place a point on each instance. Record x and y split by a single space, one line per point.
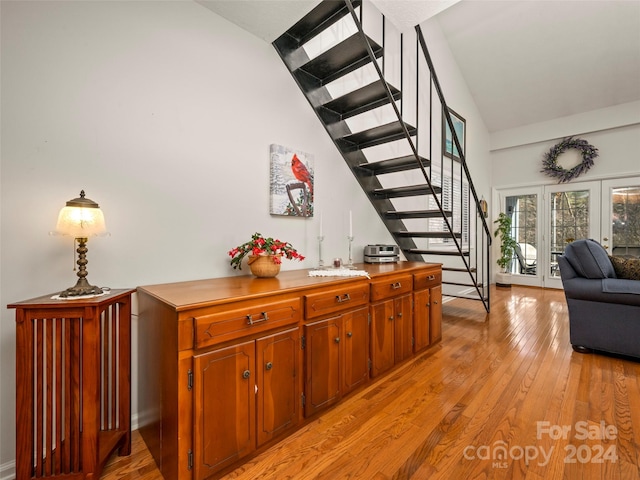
73 384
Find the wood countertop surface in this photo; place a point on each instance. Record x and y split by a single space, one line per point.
199 293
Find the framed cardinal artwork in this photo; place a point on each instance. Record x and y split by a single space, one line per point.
291 182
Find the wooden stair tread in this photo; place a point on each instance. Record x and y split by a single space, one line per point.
375 136
404 214
362 100
450 253
408 191
459 269
442 234
399 164
344 58
318 20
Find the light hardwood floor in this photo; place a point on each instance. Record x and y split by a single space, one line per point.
503 396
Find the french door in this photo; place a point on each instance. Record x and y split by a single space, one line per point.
525 207
572 212
544 220
621 216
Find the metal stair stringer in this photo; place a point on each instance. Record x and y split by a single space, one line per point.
352 53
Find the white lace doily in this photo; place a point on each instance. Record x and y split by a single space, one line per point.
338 272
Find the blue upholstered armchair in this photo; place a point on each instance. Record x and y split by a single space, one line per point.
604 310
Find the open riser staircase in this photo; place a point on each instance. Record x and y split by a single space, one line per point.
378 97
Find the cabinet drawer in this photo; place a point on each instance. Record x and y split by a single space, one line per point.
391 287
331 301
427 279
245 320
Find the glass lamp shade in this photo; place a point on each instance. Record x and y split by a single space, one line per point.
81 218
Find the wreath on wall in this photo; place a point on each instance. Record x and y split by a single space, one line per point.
550 162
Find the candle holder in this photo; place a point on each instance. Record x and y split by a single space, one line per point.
321 265
350 264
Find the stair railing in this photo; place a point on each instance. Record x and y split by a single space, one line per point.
482 232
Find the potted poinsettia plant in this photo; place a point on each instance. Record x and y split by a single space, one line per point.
264 255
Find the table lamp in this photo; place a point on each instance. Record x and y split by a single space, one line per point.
81 218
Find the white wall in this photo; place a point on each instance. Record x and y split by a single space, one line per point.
163 112
459 99
516 159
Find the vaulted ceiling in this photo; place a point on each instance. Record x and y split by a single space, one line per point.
524 61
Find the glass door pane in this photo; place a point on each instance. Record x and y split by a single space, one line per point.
523 210
524 206
621 216
573 215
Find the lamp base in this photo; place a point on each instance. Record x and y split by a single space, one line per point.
82 287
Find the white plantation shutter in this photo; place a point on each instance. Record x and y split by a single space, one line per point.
457 203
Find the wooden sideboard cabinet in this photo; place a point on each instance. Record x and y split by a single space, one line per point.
73 374
229 365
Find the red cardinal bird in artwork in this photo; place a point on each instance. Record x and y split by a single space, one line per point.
301 173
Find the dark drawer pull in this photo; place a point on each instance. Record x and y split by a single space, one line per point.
268 366
246 374
344 298
431 277
396 285
251 321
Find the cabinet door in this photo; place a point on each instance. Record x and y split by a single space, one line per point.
435 314
403 328
224 407
356 349
382 358
278 383
421 319
322 364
